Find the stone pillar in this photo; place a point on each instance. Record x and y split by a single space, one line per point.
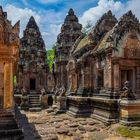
95 71
8 86
109 68
108 82
62 104
87 80
1 85
116 78
137 82
92 75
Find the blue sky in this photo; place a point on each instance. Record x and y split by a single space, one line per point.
50 14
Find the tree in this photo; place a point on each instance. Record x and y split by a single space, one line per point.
15 80
50 58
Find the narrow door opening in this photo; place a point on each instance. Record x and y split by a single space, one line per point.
32 84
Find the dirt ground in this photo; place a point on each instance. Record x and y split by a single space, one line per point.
46 125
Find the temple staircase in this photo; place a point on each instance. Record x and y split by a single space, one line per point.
34 102
9 128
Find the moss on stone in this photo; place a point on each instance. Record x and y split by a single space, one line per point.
130 132
83 43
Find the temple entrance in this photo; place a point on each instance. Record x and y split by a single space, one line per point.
100 79
32 84
127 75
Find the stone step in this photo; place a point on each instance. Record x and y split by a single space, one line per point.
34 98
35 109
9 129
13 134
34 101
35 104
34 95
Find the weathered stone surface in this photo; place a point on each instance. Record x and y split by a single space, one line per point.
83 122
70 31
77 137
73 125
52 137
32 68
90 128
87 132
9 47
63 130
49 110
81 128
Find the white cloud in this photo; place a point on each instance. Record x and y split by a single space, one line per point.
50 21
118 8
94 13
133 5
51 36
16 13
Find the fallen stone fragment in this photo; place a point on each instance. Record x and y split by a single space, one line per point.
73 125
49 110
90 129
81 128
62 131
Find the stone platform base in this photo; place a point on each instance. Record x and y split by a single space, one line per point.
79 106
9 129
105 110
61 105
130 112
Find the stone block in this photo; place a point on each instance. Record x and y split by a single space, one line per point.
79 106
105 110
44 101
130 112
62 104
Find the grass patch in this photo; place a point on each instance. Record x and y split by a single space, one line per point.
130 132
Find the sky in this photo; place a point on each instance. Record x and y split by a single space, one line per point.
50 14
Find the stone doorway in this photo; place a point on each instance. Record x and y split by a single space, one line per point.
100 78
32 84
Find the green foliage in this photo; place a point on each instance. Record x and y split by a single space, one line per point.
15 80
50 58
130 132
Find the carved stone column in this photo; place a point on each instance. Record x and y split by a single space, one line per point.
108 75
137 82
116 78
95 71
8 85
1 85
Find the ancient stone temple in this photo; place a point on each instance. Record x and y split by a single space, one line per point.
70 31
32 69
80 66
9 45
105 66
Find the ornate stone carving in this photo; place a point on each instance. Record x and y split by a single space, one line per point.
32 56
70 31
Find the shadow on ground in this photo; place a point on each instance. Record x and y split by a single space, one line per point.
30 132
